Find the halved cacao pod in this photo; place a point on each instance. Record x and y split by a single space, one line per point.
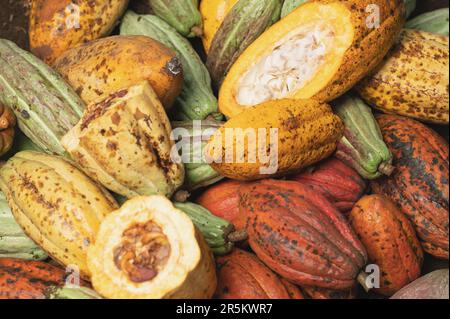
56 205
59 25
297 233
20 279
148 249
431 286
241 275
7 128
223 201
101 67
320 51
124 143
339 183
413 79
213 13
390 241
419 185
260 143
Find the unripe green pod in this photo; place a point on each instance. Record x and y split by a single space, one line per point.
436 21
290 5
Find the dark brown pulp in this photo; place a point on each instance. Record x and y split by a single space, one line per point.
144 251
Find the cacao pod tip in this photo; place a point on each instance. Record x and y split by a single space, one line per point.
386 168
237 236
181 196
362 279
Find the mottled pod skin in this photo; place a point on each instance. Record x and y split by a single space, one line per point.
413 79
297 233
390 241
307 132
20 279
56 205
222 200
339 183
59 25
419 185
101 67
241 275
431 286
363 47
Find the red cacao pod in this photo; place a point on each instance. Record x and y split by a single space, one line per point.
419 184
20 279
339 183
390 241
242 276
301 236
326 294
222 200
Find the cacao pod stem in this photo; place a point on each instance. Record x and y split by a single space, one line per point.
237 236
197 31
386 169
362 279
181 196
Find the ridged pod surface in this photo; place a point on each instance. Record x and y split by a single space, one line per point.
431 286
241 275
339 183
196 100
436 21
300 235
123 142
419 184
148 249
390 241
46 107
300 133
413 79
56 205
101 67
59 25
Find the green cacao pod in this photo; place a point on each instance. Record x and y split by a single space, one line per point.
69 292
46 107
183 15
219 234
196 100
23 143
436 21
13 241
290 5
192 137
246 21
362 146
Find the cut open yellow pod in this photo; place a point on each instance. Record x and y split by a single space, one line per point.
318 51
148 249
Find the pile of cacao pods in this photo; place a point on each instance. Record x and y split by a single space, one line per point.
120 178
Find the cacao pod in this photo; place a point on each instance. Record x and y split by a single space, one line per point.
327 294
71 292
182 15
193 137
124 143
219 234
319 51
242 276
101 67
435 22
196 100
245 22
300 133
13 241
339 183
419 185
56 205
56 26
362 146
431 286
7 125
412 82
222 200
290 5
300 235
390 241
46 107
148 249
